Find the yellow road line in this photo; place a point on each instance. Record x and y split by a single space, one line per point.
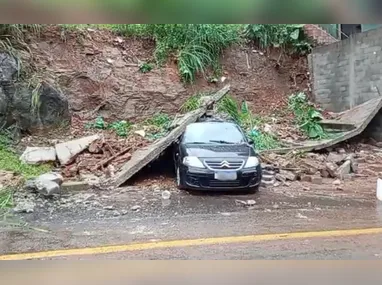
188 243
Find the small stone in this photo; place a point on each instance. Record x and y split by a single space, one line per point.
135 208
324 173
116 213
341 151
300 216
306 188
251 203
276 206
337 182
109 208
124 212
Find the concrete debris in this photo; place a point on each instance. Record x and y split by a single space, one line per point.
289 175
135 208
51 176
331 169
67 151
344 169
47 187
25 206
248 203
337 182
38 155
142 133
336 157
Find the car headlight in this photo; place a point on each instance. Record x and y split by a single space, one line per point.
252 161
192 161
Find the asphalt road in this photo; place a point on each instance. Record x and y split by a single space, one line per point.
210 227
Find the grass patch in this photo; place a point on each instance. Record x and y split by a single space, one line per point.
9 161
6 198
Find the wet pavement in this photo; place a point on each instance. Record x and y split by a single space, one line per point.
113 217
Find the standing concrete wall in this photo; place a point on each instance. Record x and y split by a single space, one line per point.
349 72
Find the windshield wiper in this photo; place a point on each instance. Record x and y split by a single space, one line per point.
222 142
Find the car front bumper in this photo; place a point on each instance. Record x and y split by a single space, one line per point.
204 179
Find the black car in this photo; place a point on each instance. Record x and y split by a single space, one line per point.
216 155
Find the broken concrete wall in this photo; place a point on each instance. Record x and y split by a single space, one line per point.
346 73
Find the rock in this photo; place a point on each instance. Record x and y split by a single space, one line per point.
344 169
305 188
325 173
337 182
124 212
38 155
51 176
251 203
353 162
331 168
24 206
8 67
341 151
301 216
47 188
316 179
166 195
109 208
67 151
289 175
135 208
335 157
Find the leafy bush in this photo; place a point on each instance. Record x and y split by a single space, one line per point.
195 46
290 37
121 128
145 67
191 103
243 116
307 116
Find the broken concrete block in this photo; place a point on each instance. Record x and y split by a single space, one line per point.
336 157
344 169
278 177
69 150
325 173
47 187
51 176
38 155
289 175
331 168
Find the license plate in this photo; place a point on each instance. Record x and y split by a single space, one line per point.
225 176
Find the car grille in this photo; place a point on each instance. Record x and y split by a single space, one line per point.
224 164
243 182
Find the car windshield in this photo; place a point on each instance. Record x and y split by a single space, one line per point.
212 132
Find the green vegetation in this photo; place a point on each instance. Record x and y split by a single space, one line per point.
192 103
145 67
121 128
9 161
289 37
250 123
307 116
196 47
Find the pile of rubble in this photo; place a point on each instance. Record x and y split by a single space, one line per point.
311 167
96 155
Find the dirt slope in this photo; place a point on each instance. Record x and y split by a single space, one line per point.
98 72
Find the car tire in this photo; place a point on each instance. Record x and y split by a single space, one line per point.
179 179
254 190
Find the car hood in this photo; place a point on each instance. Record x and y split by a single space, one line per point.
214 150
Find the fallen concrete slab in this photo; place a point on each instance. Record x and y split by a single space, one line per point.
67 151
359 117
144 156
37 155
